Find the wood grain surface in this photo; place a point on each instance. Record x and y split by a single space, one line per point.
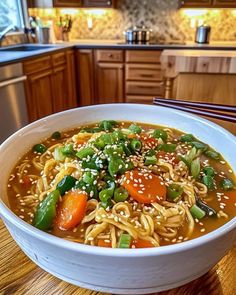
18 275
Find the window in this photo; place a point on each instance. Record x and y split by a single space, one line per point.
10 14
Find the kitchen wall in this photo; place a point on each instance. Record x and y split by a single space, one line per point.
164 17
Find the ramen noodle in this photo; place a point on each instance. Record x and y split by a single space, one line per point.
123 185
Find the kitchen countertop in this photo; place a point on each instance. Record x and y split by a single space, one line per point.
16 56
19 275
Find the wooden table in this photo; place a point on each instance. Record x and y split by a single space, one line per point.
18 275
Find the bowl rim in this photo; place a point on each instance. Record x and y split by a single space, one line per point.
11 217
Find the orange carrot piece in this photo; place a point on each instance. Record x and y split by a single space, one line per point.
141 244
144 187
104 243
71 209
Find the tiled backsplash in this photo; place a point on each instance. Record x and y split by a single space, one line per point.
163 17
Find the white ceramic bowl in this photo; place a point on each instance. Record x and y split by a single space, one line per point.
119 271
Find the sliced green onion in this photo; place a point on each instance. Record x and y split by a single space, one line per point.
118 136
68 150
126 149
95 163
226 184
85 152
150 153
135 129
124 241
56 135
115 165
197 212
66 184
89 177
39 148
167 147
187 159
107 193
199 145
174 191
159 133
195 167
209 211
208 181
107 125
106 204
209 171
90 189
150 160
120 194
115 150
136 145
212 154
187 138
58 154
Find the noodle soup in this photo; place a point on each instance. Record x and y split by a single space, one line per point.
123 185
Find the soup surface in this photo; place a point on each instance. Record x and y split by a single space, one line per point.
123 185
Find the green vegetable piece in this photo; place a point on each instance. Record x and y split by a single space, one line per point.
107 125
66 184
187 138
187 159
59 155
124 241
136 145
209 211
199 145
150 153
212 154
46 211
89 177
167 147
174 192
39 148
126 149
195 167
107 193
90 189
208 181
56 135
209 171
68 150
159 133
226 184
150 160
85 152
197 212
118 136
106 204
95 163
115 166
120 194
115 150
135 129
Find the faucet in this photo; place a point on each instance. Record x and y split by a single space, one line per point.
4 32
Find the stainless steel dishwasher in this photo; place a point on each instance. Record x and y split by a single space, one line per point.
13 111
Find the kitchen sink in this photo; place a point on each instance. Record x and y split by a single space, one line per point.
26 48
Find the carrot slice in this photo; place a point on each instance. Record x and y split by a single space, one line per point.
144 187
141 244
149 142
71 209
104 243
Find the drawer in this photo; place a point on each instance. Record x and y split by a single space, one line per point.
109 55
143 56
145 88
37 65
58 58
143 72
139 99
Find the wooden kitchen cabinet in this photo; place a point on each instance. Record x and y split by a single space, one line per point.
67 3
99 3
207 3
50 84
85 76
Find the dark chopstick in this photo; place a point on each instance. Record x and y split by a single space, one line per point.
199 105
215 115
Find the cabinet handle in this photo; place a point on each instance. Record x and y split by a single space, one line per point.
147 75
12 81
110 55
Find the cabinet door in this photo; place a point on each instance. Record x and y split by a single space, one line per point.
195 3
224 3
72 93
60 87
109 82
99 3
39 95
85 76
67 3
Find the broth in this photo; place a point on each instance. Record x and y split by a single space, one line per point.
177 195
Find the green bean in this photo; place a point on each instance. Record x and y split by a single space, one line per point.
212 154
136 145
66 184
160 133
167 147
174 192
187 138
85 152
150 160
120 194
